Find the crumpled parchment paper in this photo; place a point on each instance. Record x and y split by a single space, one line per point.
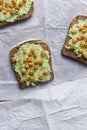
57 105
63 108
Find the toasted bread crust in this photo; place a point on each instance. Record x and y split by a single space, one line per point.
44 46
68 53
26 16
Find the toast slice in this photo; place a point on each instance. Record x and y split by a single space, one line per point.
31 62
30 9
75 45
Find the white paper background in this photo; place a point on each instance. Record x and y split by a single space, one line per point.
53 106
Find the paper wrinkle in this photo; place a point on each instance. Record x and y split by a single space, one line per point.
8 82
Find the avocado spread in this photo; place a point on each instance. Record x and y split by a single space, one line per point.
32 64
77 42
12 9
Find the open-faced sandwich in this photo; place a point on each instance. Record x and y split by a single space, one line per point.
75 45
15 10
31 61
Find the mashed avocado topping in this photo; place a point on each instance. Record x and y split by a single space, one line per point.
31 62
11 9
78 39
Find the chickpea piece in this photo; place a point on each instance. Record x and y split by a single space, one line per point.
29 60
17 7
31 72
73 31
24 51
1 1
22 80
20 4
26 66
32 50
30 65
85 45
23 71
74 40
11 6
80 50
84 30
85 25
85 38
84 54
79 37
13 59
80 28
35 67
43 53
6 9
82 36
14 2
7 4
35 62
40 62
29 54
1 7
24 1
4 12
25 60
12 12
35 55
45 72
31 78
82 44
72 47
40 76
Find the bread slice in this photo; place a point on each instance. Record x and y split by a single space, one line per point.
45 47
24 17
69 53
